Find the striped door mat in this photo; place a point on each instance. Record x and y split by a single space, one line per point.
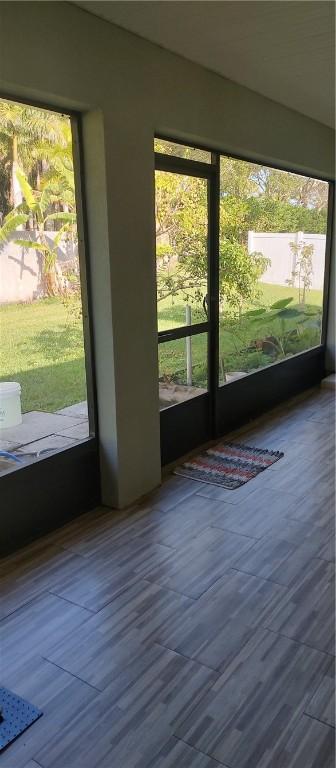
229 465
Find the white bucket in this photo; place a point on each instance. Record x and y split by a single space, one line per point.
10 404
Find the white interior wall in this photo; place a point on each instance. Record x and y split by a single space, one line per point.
128 89
331 328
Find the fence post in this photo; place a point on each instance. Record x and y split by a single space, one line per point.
188 348
250 241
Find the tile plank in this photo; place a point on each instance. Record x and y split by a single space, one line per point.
221 622
130 722
306 612
322 704
177 754
58 694
193 568
34 628
278 560
140 616
309 744
240 721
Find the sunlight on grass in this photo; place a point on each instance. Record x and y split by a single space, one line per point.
42 348
171 311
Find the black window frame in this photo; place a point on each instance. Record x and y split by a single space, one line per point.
211 171
45 493
235 402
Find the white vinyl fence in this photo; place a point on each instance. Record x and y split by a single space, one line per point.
20 268
276 246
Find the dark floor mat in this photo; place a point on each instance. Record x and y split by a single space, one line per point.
16 716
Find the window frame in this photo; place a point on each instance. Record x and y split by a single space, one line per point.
211 170
75 118
186 426
65 483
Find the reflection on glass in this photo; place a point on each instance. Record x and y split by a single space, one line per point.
42 345
181 213
272 257
180 150
182 369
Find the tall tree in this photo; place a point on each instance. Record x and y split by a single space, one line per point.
23 130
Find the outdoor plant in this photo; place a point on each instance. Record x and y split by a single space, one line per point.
36 205
303 270
281 336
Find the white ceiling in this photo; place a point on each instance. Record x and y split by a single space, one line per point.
283 49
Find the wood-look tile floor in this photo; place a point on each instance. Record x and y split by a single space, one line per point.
195 630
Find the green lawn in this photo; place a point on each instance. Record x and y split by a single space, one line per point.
42 347
172 309
234 338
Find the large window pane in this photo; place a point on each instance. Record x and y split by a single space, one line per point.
272 257
42 345
182 369
181 249
181 150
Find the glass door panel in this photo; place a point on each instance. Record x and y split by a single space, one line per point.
272 250
184 309
181 150
181 215
183 369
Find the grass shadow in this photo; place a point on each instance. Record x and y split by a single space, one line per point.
58 343
51 387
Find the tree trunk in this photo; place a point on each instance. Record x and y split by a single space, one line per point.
15 193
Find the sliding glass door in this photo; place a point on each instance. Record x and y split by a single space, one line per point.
242 255
186 218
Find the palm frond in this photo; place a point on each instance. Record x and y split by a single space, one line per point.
26 189
62 216
33 244
11 222
60 233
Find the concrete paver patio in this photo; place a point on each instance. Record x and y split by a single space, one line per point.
41 433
